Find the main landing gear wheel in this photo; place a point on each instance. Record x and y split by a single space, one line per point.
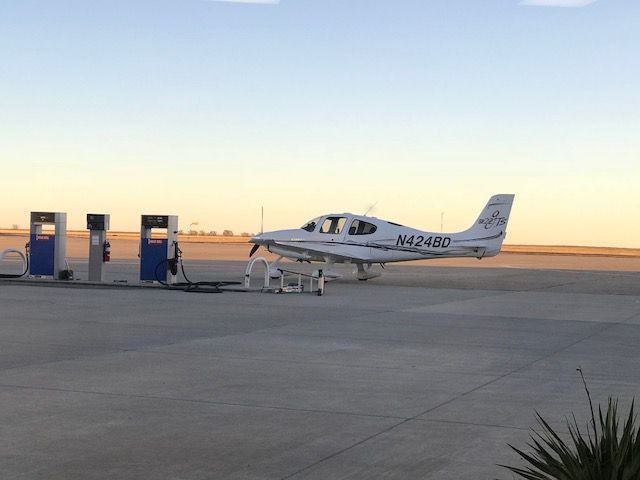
364 272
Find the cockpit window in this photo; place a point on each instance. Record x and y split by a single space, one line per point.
311 225
358 227
333 225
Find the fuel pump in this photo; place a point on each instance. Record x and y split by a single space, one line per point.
159 252
99 246
47 251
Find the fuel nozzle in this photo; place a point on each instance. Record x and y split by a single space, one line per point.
173 262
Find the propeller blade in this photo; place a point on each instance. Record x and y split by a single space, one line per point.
254 249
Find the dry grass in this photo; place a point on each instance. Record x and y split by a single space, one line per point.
236 239
135 235
571 250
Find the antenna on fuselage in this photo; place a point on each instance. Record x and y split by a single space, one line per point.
262 219
370 208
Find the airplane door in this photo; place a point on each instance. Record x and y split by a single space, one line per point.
358 237
332 229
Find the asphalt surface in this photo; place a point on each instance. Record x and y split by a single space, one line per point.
422 373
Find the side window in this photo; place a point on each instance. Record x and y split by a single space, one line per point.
333 225
358 227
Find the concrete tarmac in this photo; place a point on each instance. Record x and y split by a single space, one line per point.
424 373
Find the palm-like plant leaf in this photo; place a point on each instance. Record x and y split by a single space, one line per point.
601 452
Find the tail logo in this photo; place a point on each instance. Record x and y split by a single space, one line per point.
495 220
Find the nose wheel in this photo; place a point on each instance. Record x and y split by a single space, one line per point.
274 268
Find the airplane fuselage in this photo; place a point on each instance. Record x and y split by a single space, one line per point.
389 243
358 239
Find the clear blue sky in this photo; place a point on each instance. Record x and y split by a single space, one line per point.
210 109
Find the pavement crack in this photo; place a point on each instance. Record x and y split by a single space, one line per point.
199 401
473 424
429 410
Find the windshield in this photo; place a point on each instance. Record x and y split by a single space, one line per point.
311 225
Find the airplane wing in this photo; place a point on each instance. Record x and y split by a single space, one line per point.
339 252
460 250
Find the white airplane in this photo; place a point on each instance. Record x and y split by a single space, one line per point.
364 241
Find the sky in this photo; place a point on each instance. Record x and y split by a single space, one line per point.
212 109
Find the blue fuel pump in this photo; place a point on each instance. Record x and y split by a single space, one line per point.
159 250
47 251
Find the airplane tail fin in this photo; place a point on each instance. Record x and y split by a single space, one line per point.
489 230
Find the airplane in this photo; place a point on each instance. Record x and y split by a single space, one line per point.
366 241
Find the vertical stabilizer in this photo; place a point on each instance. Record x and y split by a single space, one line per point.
490 228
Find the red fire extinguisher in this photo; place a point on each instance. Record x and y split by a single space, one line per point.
106 252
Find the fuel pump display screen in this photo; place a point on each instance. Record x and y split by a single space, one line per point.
96 222
43 217
155 221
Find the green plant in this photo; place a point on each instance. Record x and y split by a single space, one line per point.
600 453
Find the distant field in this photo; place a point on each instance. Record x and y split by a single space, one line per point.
571 250
135 235
125 246
236 239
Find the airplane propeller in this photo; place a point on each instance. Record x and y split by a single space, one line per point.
254 249
370 208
